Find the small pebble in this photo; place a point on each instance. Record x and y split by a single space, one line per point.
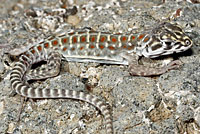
1 67
11 128
74 20
1 107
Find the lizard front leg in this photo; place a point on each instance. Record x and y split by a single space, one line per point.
141 70
135 68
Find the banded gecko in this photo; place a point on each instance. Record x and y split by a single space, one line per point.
90 46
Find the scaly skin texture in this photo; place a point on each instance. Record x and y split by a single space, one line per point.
90 46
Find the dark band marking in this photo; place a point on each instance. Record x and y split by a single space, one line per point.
25 91
33 94
179 46
92 32
72 33
40 93
81 32
70 93
55 92
63 92
15 77
157 46
77 94
18 85
51 38
47 92
41 42
179 33
21 67
14 86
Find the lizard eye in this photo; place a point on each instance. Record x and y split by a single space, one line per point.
187 42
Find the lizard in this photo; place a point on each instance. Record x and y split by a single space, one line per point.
100 47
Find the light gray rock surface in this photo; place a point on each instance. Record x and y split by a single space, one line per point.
168 104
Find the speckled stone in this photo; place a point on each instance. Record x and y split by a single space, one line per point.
166 104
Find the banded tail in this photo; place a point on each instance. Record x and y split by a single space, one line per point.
23 89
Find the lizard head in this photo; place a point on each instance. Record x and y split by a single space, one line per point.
166 39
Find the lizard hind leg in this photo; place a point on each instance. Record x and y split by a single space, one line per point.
51 69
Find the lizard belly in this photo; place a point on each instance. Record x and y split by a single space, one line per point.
105 59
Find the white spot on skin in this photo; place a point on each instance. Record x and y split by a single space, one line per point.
98 37
106 44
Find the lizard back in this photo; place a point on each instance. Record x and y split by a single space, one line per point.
110 48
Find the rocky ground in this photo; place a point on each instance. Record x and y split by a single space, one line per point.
168 104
